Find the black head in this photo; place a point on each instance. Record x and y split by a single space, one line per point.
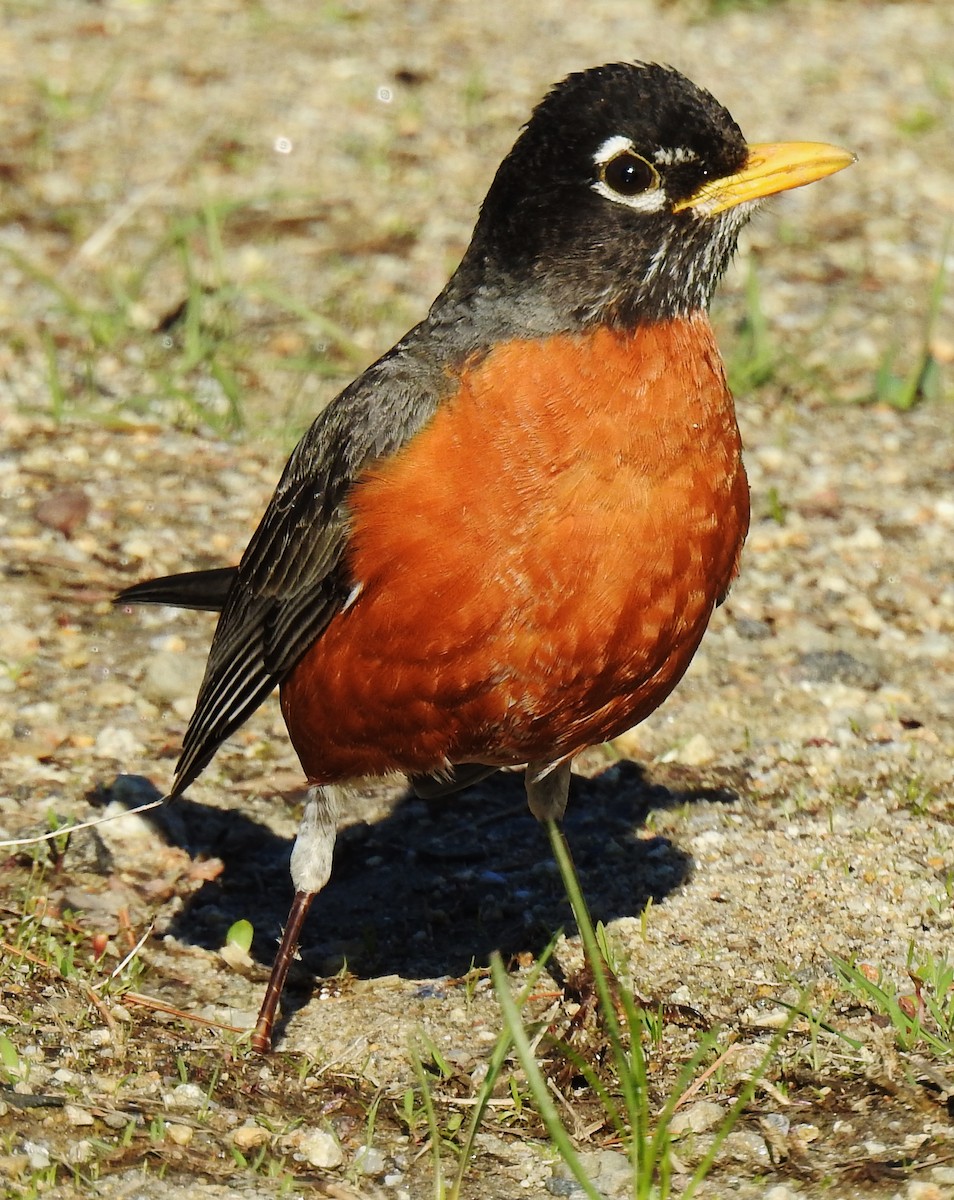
620 203
582 208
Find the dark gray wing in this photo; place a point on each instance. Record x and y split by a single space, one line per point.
293 577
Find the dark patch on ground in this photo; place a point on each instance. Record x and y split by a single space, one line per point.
437 885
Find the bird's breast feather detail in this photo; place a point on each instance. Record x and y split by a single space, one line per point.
574 511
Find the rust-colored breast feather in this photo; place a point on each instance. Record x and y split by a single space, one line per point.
538 565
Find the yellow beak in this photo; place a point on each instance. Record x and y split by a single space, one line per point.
771 167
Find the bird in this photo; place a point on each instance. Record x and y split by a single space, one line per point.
503 542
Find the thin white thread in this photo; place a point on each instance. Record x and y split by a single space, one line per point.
10 843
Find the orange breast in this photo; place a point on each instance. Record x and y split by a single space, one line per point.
538 565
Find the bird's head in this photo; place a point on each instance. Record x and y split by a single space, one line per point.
622 199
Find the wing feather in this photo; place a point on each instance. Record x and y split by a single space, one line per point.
293 577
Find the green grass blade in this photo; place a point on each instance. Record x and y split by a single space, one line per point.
497 1059
538 1085
630 1067
434 1131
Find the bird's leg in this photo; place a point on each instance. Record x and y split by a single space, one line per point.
548 789
310 867
548 786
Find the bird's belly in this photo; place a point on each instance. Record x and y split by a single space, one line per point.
537 567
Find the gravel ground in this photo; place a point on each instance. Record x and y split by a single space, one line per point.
306 180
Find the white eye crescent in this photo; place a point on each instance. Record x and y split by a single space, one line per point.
625 177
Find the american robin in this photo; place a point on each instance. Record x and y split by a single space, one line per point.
503 542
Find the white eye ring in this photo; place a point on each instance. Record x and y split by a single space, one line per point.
652 199
614 145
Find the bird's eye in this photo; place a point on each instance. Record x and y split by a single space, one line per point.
627 174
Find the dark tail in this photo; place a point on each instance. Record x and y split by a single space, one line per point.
205 590
454 779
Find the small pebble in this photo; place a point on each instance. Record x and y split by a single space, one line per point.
170 676
188 1097
837 666
19 642
752 629
920 1189
745 1146
319 1149
236 957
77 1116
115 742
369 1160
63 510
612 1169
118 1120
564 1187
37 1154
248 1137
112 694
179 1135
696 752
697 1118
80 1152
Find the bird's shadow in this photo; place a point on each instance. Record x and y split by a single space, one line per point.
435 886
438 885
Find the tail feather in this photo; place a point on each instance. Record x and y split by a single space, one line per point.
203 590
453 779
